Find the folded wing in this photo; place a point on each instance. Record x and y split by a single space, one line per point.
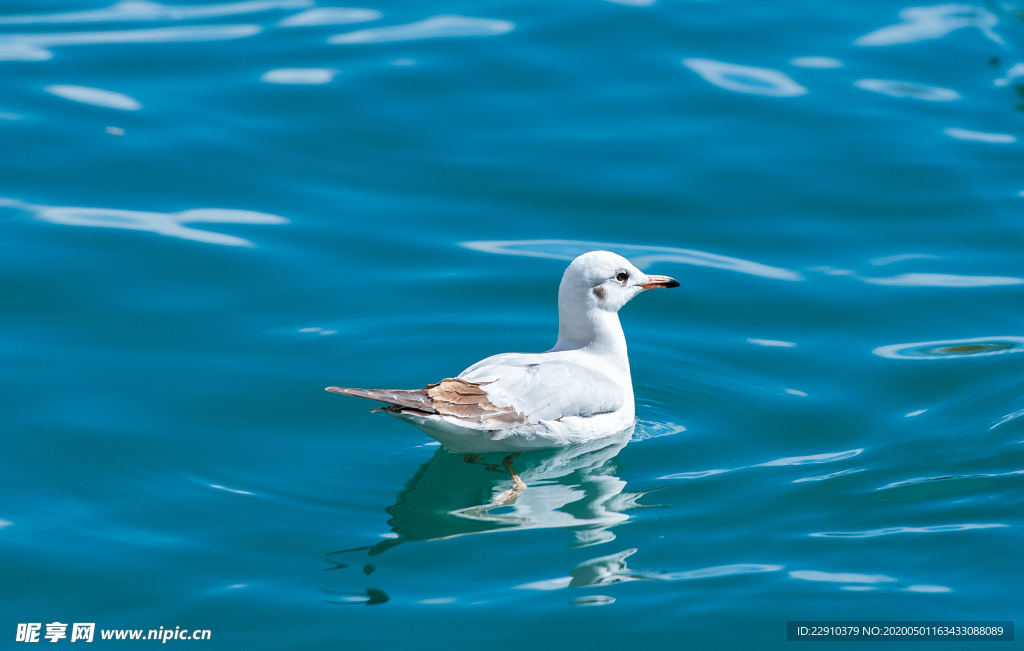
507 391
541 388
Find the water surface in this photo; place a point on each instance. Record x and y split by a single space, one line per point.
212 211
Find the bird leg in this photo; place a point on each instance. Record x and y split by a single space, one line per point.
507 462
518 485
473 458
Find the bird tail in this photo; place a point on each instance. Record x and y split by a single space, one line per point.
415 399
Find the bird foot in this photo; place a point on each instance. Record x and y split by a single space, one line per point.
507 497
519 484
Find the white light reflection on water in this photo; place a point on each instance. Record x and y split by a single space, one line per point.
96 97
745 79
946 478
816 62
446 26
943 280
34 47
319 331
640 255
895 530
23 52
145 10
889 259
230 490
907 89
1017 70
330 16
921 279
774 343
1007 418
786 461
814 458
597 599
169 224
833 475
841 577
980 136
924 23
302 76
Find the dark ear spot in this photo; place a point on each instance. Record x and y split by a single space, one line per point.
599 292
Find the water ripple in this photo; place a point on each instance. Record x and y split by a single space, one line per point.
926 480
330 16
814 458
786 461
840 577
436 27
592 600
34 47
907 89
1016 70
889 259
722 570
771 343
980 136
145 10
816 62
1007 418
95 96
745 79
649 429
304 76
829 476
607 570
894 530
943 280
231 490
953 348
642 256
925 23
169 224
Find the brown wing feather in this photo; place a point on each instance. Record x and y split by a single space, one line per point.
468 400
449 397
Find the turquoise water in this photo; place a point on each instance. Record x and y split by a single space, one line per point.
192 250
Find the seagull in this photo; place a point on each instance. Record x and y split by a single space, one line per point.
579 391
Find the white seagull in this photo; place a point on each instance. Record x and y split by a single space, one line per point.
578 391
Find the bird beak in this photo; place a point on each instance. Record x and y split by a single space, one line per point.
654 282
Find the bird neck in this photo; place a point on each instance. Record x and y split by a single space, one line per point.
593 330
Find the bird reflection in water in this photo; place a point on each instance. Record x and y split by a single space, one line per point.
574 488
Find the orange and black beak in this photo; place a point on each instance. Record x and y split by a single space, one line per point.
654 282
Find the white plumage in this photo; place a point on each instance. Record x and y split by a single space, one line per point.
578 391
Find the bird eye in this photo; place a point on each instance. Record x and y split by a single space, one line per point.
622 277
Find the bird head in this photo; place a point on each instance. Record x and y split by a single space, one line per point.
606 281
